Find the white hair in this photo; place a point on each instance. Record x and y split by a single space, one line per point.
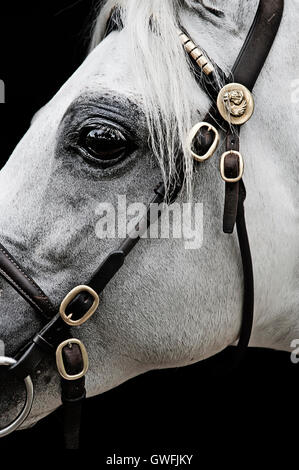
163 76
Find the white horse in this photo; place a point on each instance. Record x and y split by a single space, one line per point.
168 306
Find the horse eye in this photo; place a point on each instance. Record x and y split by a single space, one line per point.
104 143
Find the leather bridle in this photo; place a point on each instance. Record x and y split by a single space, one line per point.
232 107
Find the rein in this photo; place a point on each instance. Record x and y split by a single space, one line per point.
232 106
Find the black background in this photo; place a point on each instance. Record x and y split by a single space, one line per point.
252 410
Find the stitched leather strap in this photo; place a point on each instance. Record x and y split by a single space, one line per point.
44 342
20 280
258 42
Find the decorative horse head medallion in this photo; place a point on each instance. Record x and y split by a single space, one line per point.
235 103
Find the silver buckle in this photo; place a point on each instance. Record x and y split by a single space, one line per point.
8 361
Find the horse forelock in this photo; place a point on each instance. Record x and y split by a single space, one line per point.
161 75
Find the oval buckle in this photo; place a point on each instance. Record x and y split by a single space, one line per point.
193 133
60 363
69 297
8 361
241 166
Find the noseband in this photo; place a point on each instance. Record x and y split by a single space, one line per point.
232 106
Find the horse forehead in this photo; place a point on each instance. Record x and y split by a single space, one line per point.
107 66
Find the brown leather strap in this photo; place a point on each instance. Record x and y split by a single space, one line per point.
20 280
248 279
258 43
73 394
248 289
231 170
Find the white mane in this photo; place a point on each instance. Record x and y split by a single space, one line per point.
163 76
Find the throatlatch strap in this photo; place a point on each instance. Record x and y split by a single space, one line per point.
248 279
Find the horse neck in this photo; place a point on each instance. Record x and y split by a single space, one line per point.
272 177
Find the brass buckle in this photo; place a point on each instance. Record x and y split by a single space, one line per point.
60 363
193 133
241 166
69 297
